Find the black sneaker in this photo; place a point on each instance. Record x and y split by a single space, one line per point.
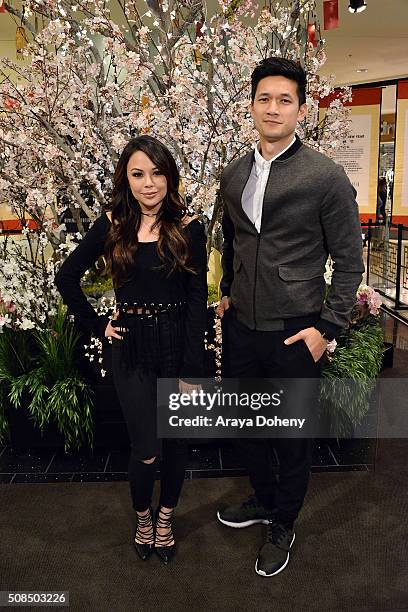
273 557
248 513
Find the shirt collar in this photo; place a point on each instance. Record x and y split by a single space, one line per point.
263 164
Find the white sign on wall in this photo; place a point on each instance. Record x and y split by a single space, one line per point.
404 174
355 156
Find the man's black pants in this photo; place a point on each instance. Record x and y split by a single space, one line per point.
262 354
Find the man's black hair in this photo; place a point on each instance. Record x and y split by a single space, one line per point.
280 66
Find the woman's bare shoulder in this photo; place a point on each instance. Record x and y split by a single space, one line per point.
187 219
109 215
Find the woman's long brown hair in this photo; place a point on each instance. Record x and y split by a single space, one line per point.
122 242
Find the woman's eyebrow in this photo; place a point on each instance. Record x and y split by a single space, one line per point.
140 170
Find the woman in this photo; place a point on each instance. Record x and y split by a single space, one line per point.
156 256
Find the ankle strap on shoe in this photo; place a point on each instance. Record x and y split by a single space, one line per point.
145 520
163 521
164 517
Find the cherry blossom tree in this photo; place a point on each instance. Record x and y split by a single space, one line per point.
97 73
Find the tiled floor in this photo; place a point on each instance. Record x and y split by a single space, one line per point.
205 460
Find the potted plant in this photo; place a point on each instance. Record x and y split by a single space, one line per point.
354 362
39 346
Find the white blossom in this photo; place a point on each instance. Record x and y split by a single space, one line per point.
90 84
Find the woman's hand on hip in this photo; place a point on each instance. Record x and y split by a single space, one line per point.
112 332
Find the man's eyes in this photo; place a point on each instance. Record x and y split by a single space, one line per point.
284 100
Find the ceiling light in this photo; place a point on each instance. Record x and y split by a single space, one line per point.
362 70
357 6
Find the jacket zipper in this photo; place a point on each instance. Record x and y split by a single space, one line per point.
256 274
258 242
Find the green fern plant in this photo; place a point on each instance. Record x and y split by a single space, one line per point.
57 391
17 355
350 378
4 426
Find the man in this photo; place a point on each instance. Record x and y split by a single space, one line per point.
286 208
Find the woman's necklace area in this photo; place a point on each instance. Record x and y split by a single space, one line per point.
149 214
146 233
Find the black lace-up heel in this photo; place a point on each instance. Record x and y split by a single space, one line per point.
145 545
164 545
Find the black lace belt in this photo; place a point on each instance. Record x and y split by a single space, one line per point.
138 308
152 336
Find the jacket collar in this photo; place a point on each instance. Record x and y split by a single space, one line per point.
286 154
241 176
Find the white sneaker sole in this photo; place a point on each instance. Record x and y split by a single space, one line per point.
262 573
242 525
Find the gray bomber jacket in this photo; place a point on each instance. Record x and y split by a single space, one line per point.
309 212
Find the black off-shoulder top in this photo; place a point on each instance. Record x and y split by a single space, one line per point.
146 283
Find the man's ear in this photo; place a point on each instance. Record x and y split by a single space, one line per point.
302 112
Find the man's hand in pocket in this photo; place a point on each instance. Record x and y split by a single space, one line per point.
313 340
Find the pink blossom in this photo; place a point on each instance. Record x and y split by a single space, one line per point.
4 320
367 296
362 298
331 346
